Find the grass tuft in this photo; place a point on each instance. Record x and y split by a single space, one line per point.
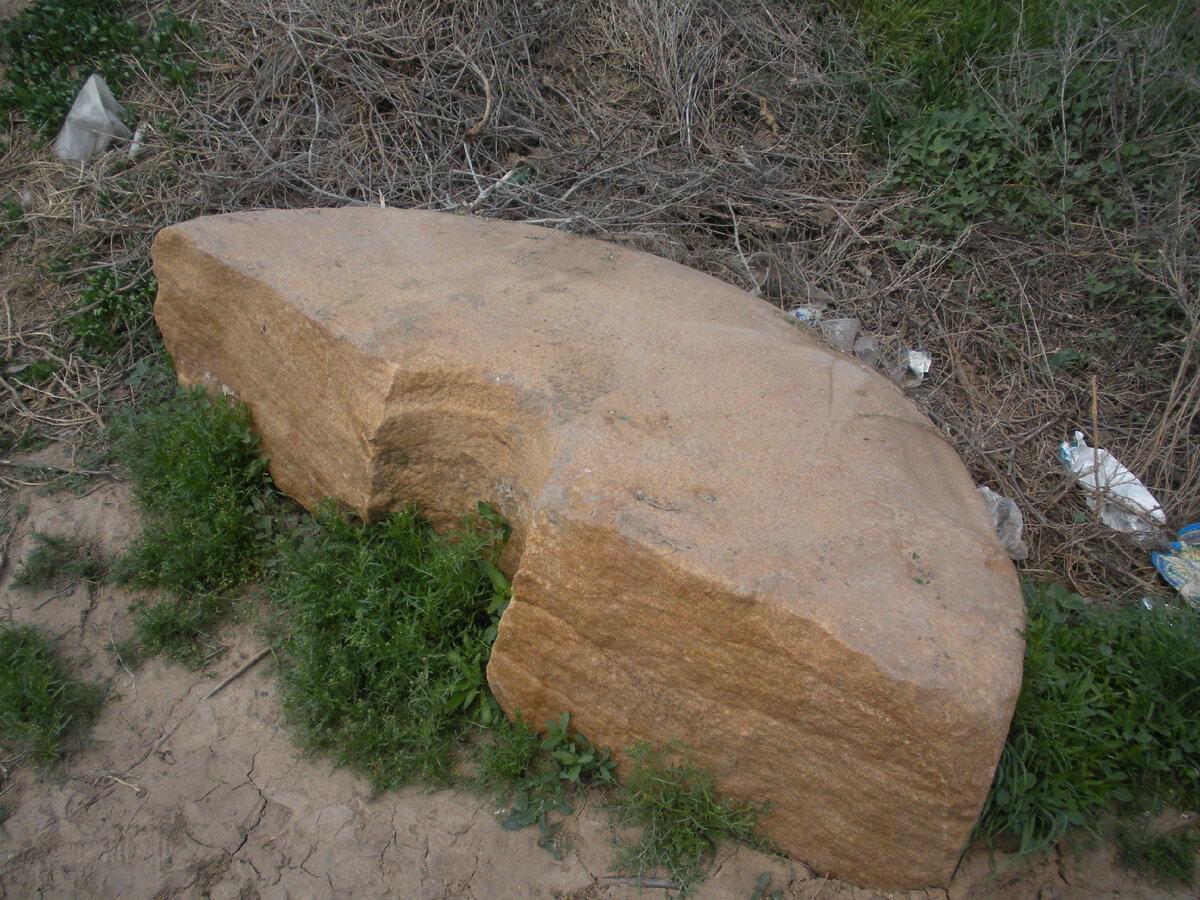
202 483
1170 859
41 707
1106 717
387 631
183 629
53 557
680 815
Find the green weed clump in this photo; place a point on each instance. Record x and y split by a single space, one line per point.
53 557
533 777
114 308
41 707
202 483
1106 717
1052 149
922 49
680 815
1024 119
51 47
386 634
1170 858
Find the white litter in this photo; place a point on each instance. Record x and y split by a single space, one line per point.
912 368
809 313
1009 522
135 146
92 123
1125 503
840 332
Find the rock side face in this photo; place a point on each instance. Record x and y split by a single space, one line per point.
723 533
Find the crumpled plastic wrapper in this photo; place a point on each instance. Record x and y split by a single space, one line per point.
913 366
809 313
864 349
840 332
1126 505
92 123
1180 563
1009 522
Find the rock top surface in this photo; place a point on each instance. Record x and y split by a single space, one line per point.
724 533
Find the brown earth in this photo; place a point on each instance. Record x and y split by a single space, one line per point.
190 787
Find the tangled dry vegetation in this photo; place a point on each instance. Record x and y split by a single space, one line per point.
731 137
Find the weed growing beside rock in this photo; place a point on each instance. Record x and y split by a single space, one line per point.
208 501
679 817
1106 719
535 778
394 613
389 611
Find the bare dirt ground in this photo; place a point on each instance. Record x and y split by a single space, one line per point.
189 786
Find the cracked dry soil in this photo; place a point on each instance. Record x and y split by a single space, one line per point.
189 786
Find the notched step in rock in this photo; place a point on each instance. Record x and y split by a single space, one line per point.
723 532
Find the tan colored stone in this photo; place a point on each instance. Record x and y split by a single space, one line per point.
723 532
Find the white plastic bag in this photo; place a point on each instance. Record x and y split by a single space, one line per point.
92 123
1125 503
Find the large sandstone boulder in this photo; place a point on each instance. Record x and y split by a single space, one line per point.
724 533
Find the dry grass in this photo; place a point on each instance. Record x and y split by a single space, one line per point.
720 135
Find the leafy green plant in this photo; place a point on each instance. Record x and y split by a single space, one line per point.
1067 358
35 372
1106 717
1168 858
53 45
534 777
921 49
183 629
53 556
1072 141
1037 157
202 483
114 307
41 707
576 761
680 815
762 885
400 616
15 439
